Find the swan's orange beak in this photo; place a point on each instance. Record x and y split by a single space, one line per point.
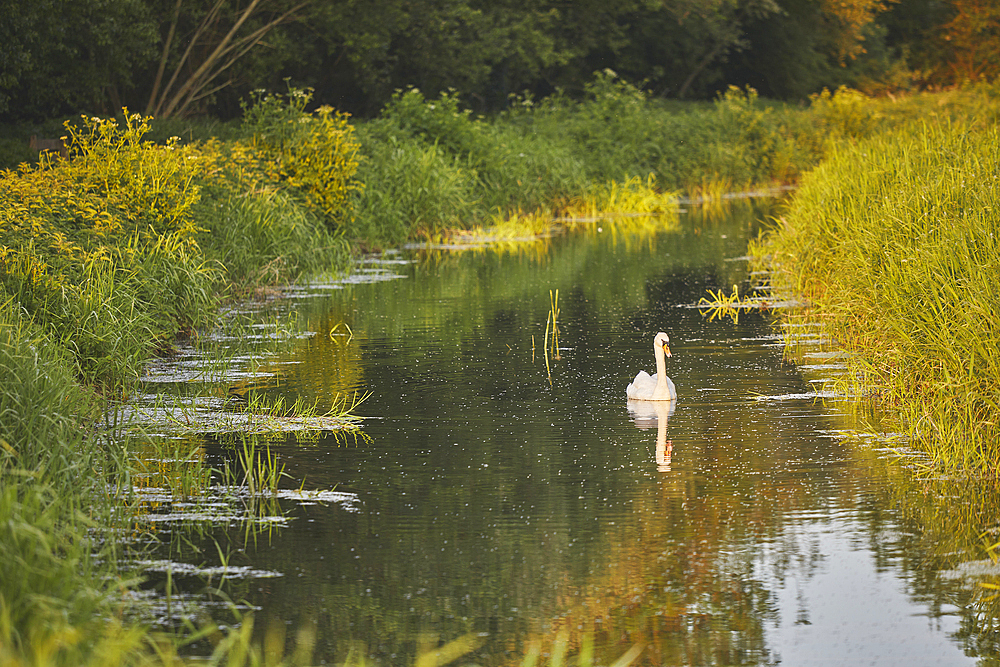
666 349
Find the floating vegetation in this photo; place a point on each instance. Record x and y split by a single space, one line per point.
225 505
227 571
179 415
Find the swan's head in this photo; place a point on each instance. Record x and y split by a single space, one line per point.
662 342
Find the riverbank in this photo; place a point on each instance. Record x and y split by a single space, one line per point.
109 256
893 241
106 259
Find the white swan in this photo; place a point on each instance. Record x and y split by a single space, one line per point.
658 387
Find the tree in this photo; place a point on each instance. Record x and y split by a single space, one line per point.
972 42
64 56
218 36
812 44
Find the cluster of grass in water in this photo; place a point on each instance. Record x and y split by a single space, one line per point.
895 243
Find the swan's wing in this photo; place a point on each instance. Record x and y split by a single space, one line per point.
642 386
671 389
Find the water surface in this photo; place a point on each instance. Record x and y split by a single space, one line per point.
497 496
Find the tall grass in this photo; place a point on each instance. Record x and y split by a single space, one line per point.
430 165
105 258
895 241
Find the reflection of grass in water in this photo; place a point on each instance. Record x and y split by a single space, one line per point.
552 327
631 198
634 205
559 651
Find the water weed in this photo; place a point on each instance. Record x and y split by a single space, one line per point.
731 305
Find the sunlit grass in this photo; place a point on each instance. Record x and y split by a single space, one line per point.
731 305
895 241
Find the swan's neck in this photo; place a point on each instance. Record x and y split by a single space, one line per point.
661 371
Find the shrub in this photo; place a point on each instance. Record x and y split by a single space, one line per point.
314 154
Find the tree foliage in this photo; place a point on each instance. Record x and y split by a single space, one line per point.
973 35
189 57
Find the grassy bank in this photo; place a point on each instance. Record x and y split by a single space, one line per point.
105 259
895 243
431 167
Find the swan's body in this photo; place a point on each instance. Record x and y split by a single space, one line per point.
658 387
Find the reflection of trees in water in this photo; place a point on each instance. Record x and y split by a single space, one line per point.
941 537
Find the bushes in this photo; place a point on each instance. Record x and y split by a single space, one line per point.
316 155
429 164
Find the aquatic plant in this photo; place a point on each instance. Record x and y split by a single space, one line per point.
723 305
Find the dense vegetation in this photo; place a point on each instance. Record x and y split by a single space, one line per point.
106 257
191 57
893 240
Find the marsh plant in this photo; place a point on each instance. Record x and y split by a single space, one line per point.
894 242
729 305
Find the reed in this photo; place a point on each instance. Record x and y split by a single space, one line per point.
551 334
262 468
553 317
895 242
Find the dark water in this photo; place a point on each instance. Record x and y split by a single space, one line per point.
497 498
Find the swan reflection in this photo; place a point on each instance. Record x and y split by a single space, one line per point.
649 414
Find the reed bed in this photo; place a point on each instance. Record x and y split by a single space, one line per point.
895 242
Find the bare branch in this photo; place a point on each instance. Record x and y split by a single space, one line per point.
163 58
207 64
228 52
187 52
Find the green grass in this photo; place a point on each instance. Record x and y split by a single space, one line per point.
429 166
104 259
895 242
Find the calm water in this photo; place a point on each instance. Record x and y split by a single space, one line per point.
494 497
